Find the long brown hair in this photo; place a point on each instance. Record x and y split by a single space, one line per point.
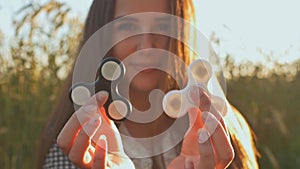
102 12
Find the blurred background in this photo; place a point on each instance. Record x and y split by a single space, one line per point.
258 43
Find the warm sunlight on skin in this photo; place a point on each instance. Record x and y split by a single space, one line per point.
191 138
88 155
87 158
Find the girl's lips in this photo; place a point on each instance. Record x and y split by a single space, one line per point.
148 70
144 67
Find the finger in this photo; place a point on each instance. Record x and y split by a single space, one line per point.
98 99
207 156
100 158
95 103
201 97
192 135
189 164
219 104
219 117
222 146
81 152
69 132
195 120
109 129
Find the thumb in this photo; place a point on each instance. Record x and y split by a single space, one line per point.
100 158
112 134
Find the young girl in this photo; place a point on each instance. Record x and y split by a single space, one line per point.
88 139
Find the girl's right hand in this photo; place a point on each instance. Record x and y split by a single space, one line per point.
91 140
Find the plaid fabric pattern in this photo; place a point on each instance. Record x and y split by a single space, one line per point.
56 159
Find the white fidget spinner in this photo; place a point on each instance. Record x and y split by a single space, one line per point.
176 103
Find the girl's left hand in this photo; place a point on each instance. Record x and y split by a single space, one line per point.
207 143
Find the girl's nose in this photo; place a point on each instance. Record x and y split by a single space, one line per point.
145 41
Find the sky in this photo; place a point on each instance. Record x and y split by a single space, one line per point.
247 29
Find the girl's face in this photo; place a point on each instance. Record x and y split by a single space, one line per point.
141 48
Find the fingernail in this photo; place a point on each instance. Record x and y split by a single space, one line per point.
102 94
102 137
90 108
203 136
92 125
102 142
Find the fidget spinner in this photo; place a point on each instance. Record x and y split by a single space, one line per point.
176 103
109 73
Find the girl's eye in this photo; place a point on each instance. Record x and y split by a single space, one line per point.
127 27
162 27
